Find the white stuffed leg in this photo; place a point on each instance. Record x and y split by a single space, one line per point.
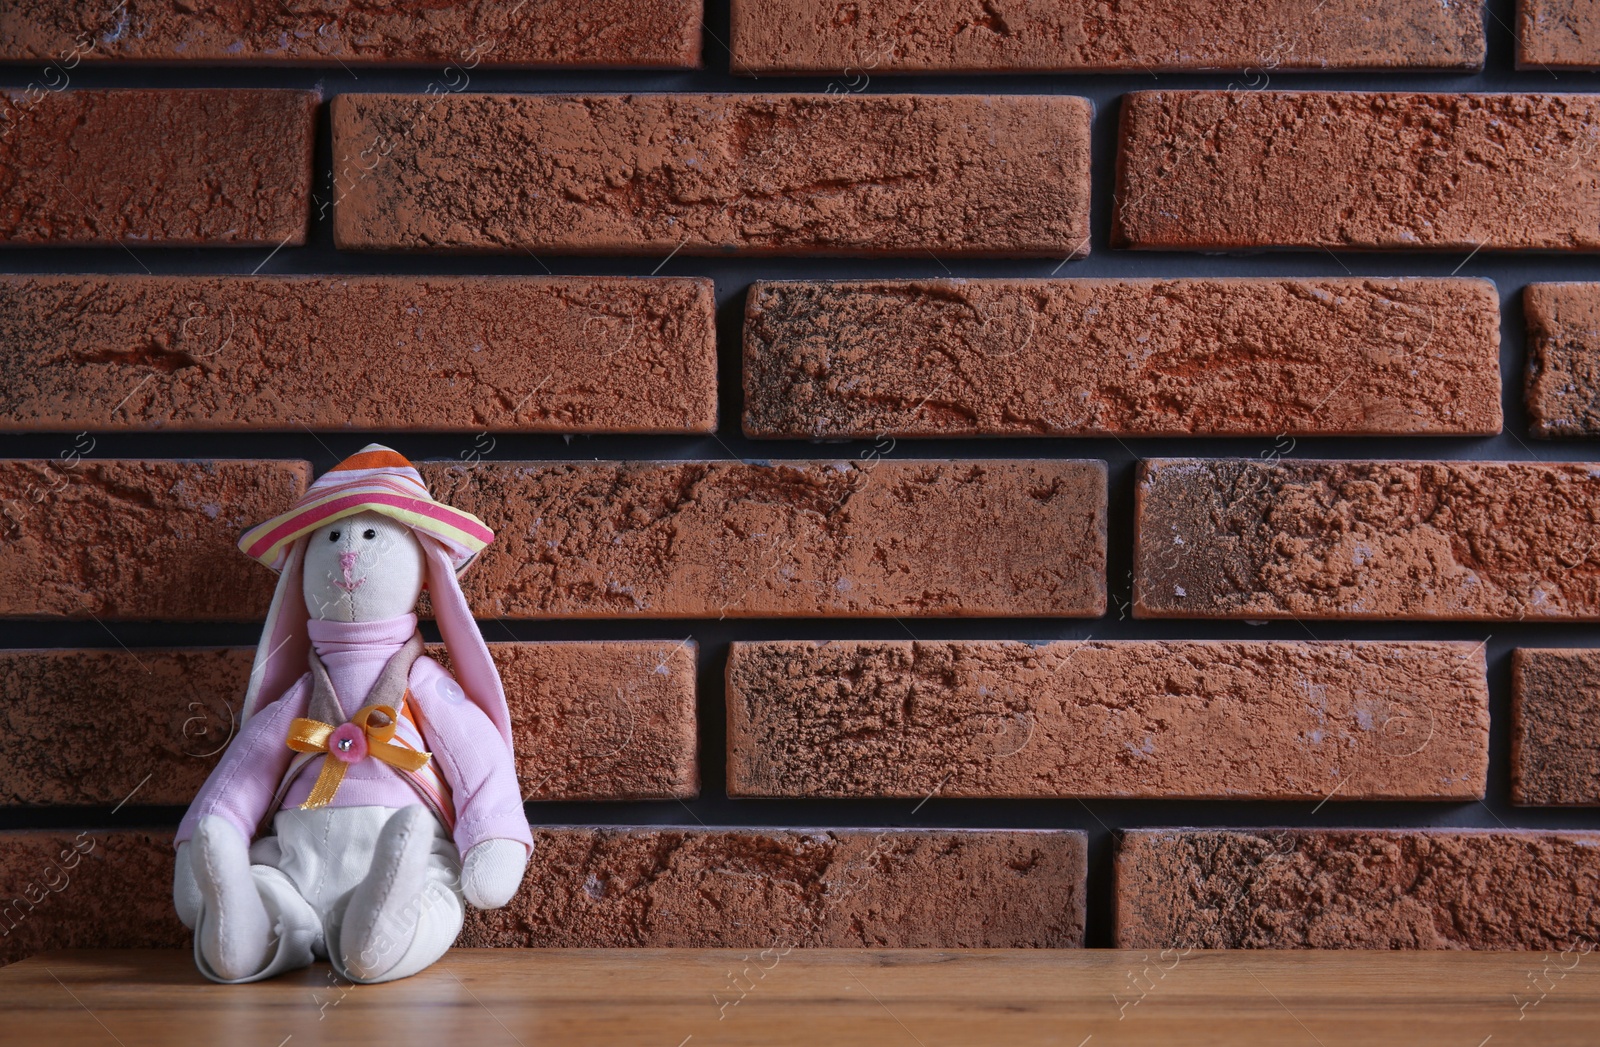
251 922
407 911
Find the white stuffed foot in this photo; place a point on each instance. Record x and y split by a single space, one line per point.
493 872
236 931
385 908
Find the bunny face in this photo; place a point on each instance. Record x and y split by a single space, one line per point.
362 568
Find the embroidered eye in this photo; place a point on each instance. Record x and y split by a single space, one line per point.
333 536
369 534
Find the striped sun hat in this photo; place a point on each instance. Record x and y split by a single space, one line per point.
374 479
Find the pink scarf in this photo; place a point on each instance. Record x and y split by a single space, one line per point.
355 652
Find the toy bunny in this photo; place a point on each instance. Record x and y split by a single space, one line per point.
334 826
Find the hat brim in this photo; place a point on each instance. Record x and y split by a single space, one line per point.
461 533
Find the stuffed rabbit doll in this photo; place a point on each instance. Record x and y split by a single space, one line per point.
334 826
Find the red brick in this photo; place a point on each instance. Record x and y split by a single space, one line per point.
1145 719
723 539
602 720
1558 34
1563 359
561 354
618 886
1477 541
1218 170
171 713
1234 357
89 890
1000 175
81 537
158 168
905 36
468 33
1555 727
1357 889
655 539
610 720
761 888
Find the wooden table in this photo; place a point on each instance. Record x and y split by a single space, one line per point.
696 998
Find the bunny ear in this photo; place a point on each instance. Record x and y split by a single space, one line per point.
281 656
469 655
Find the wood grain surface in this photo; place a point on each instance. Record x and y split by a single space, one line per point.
678 998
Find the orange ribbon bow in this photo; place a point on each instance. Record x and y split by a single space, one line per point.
350 743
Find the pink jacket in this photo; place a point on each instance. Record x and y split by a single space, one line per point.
467 749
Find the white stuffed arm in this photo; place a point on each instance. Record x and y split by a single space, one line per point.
185 891
492 872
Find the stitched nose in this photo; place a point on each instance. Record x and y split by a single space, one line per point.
348 562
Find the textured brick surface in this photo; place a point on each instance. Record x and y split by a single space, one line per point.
611 720
1563 359
171 713
819 36
1357 889
90 890
759 888
468 33
1280 721
1558 34
1004 175
1121 357
563 354
866 538
1239 169
645 886
82 537
1555 727
1238 538
168 168
658 539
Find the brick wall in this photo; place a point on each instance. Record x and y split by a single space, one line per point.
1037 475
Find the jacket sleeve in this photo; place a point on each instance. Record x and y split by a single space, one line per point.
244 783
472 758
